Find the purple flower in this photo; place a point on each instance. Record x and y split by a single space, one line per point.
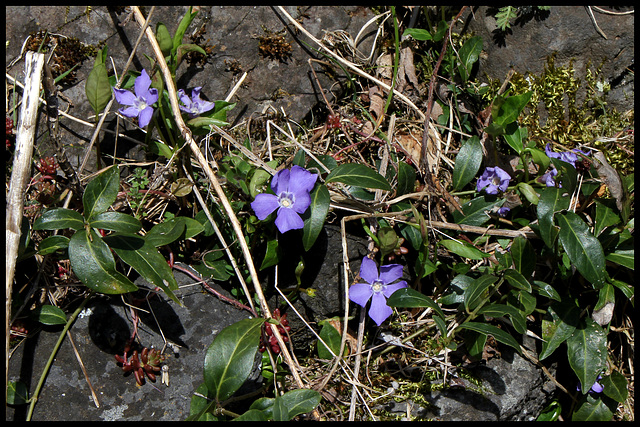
549 177
379 287
291 199
503 211
140 103
595 388
494 179
194 105
568 156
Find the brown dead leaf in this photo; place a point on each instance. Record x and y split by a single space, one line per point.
611 178
352 342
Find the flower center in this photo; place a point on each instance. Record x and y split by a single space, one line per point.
286 199
140 104
377 286
496 180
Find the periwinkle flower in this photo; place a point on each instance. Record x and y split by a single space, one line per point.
292 198
595 388
140 103
494 179
194 105
570 157
378 288
549 178
503 211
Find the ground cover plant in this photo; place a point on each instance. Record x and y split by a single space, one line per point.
483 225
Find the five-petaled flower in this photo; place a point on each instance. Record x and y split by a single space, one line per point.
140 103
570 157
494 179
378 288
194 105
291 188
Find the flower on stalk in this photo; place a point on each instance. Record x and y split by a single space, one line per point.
140 103
291 188
595 388
194 105
570 157
549 177
378 288
494 179
503 211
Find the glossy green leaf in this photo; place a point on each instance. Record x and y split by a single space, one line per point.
623 257
53 244
166 232
314 217
205 122
551 412
272 254
101 192
145 259
50 315
230 357
417 33
515 136
17 393
93 263
97 88
200 405
539 157
410 298
475 343
498 334
615 386
300 401
328 161
587 351
264 404
457 288
528 192
524 301
507 110
219 269
476 210
116 221
524 256
467 163
517 280
253 415
605 217
359 176
182 28
465 250
567 175
591 409
59 218
558 324
331 336
406 179
552 200
476 291
497 310
546 290
583 249
469 53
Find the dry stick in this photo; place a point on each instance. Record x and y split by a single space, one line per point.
21 169
186 134
84 370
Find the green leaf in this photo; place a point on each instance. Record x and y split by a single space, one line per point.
467 163
539 157
298 402
552 200
230 357
623 257
524 256
116 221
182 28
200 404
253 415
524 301
605 217
101 192
546 290
417 33
583 249
517 280
475 343
498 334
469 53
406 179
145 259
17 393
314 218
93 263
219 269
358 175
97 88
515 136
476 210
528 192
498 310
558 324
50 315
272 254
592 409
551 412
410 298
475 293
332 337
587 351
615 386
567 175
465 250
205 122
457 287
507 110
165 232
59 218
53 244
164 39
328 161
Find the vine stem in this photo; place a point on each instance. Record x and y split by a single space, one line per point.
237 228
45 372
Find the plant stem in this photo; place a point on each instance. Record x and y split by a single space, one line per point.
66 328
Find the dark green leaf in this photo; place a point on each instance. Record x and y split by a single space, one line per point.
467 163
528 192
219 269
469 53
298 402
591 409
59 218
358 175
623 257
465 250
93 263
498 334
522 300
52 244
200 405
517 280
515 136
101 192
587 351
551 412
615 386
17 393
314 218
253 415
546 290
116 221
328 161
558 324
417 33
164 39
567 175
166 232
50 315
457 288
97 89
410 298
507 110
475 211
406 179
230 357
552 200
475 293
475 342
498 310
524 256
605 217
145 259
583 249
331 336
272 254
